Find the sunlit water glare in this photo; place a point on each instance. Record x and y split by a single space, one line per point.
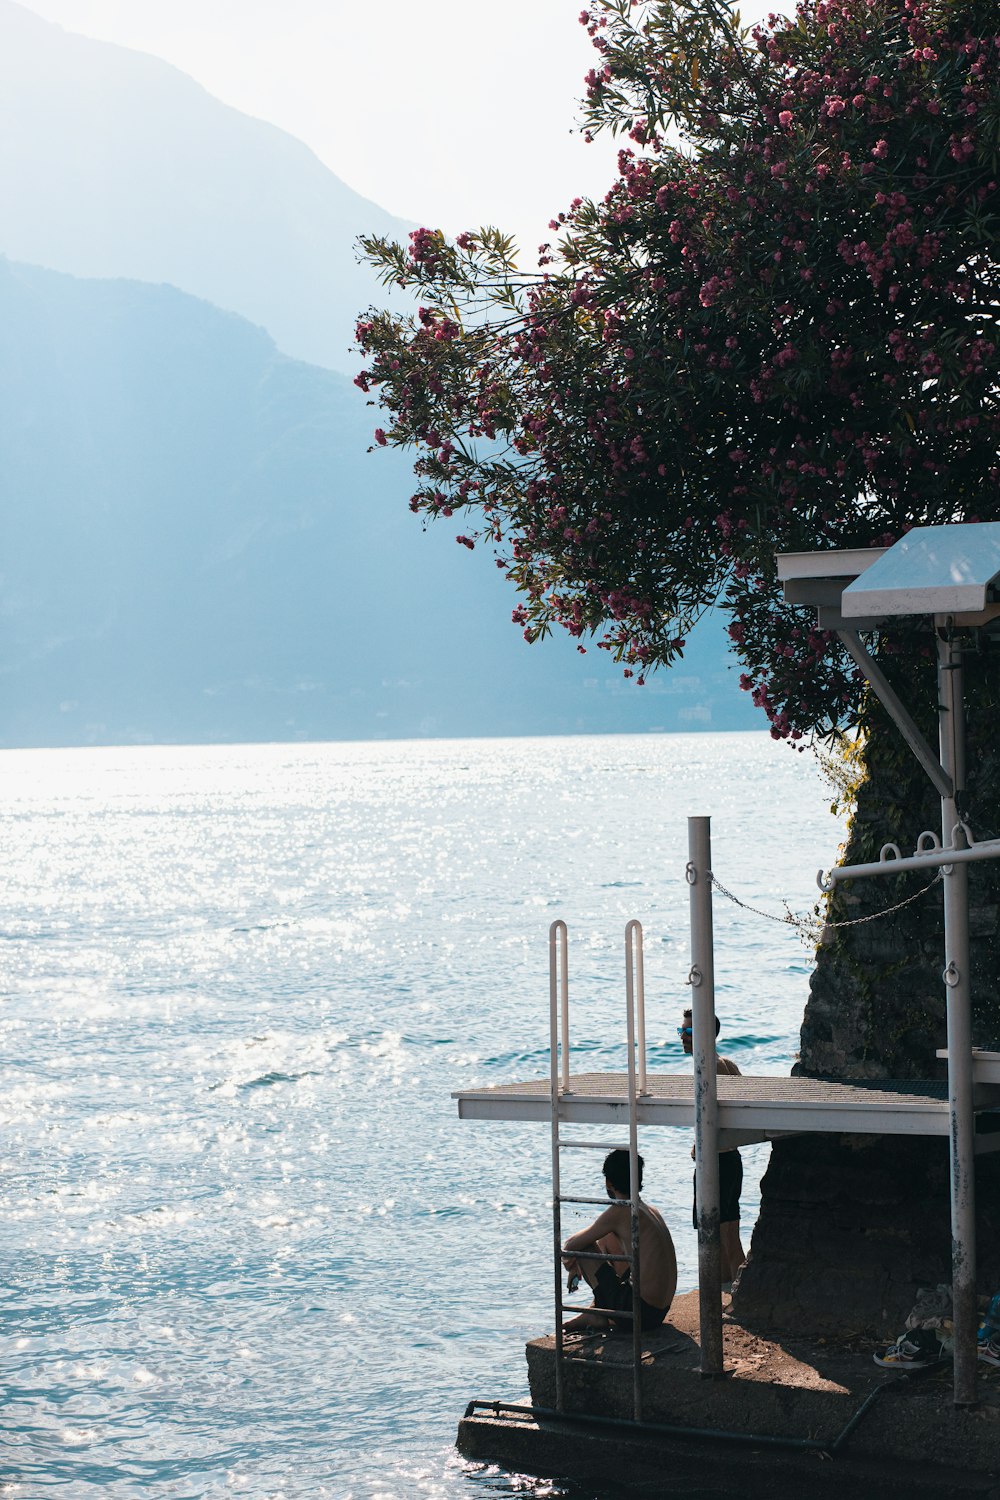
248 1249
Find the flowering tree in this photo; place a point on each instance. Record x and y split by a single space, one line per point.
777 335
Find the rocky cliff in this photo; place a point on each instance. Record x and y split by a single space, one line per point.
850 1226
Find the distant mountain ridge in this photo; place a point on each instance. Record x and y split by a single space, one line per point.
195 545
115 164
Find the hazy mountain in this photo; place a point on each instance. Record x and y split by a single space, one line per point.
195 544
114 163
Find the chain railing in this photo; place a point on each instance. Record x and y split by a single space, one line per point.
815 927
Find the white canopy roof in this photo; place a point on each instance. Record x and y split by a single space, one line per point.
933 570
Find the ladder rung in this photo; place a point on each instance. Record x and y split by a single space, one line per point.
592 1255
561 1198
607 1312
579 1307
590 1146
582 1359
607 1202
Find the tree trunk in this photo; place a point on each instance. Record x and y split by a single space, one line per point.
851 1226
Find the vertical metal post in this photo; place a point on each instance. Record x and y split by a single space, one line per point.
635 992
959 1012
633 1176
706 1103
558 945
559 989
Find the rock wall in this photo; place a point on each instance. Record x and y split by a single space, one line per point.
850 1226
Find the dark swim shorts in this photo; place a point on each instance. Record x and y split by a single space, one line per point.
730 1186
614 1291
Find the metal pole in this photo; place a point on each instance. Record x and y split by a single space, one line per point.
959 1012
706 1103
635 992
890 701
559 966
633 1177
931 860
558 943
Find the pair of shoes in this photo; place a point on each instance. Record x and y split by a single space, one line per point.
915 1350
990 1351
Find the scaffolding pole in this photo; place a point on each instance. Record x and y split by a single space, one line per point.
706 1101
962 1139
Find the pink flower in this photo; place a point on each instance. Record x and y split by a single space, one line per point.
380 437
785 119
423 247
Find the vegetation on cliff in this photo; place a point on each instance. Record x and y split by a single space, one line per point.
776 332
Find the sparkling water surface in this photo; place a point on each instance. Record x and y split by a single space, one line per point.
248 1249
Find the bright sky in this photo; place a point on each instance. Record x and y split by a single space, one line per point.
452 113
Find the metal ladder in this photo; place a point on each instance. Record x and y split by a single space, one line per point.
560 1089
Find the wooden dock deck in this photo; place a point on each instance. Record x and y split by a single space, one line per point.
750 1108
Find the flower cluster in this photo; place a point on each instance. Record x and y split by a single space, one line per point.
781 337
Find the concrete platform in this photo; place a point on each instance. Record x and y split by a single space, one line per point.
911 1440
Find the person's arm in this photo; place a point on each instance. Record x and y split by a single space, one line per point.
609 1222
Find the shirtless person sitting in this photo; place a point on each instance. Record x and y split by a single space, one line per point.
611 1234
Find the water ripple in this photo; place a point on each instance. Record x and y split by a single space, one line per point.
247 1249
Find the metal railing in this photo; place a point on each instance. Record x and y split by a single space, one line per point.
559 1047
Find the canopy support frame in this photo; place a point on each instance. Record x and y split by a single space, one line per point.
947 774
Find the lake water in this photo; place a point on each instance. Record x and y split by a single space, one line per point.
247 1247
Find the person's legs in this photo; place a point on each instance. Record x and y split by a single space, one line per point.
603 1279
611 1246
732 1250
585 1319
594 1271
730 1184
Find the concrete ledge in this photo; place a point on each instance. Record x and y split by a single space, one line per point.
644 1464
774 1388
